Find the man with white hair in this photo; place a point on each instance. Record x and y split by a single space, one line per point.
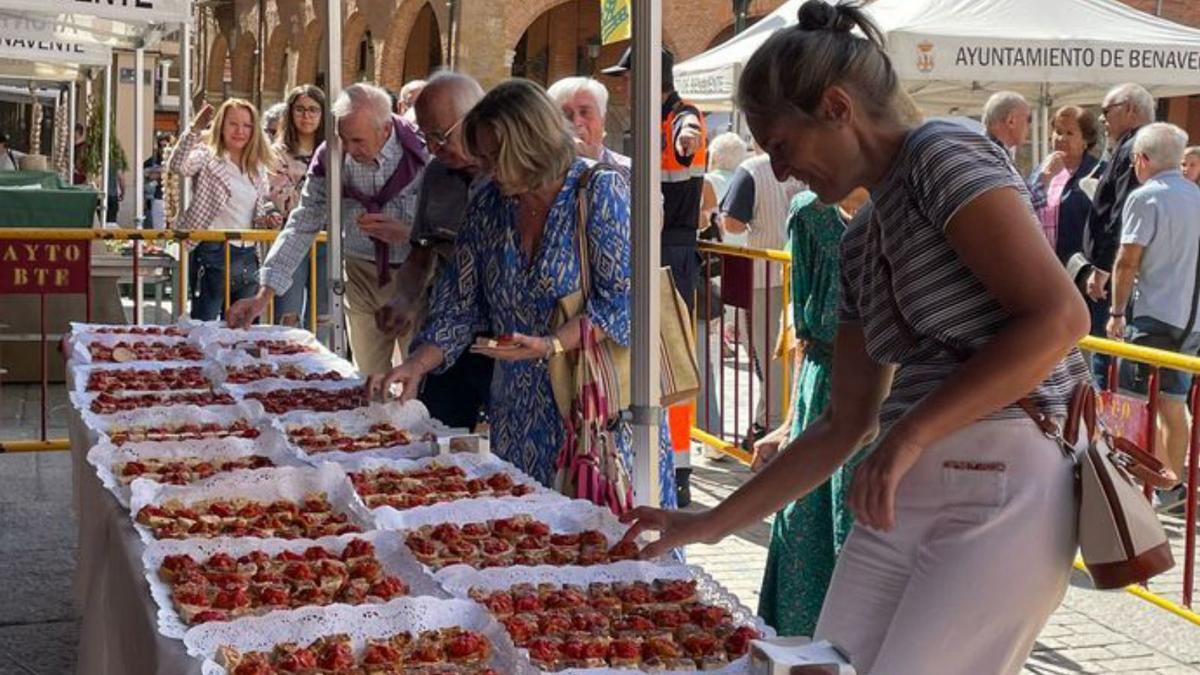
383 154
1160 250
1006 116
1126 109
584 102
407 98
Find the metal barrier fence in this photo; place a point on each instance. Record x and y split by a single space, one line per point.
179 292
1124 413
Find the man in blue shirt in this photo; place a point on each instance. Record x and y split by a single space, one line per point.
1160 250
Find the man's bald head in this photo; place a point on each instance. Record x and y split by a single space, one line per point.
450 90
440 109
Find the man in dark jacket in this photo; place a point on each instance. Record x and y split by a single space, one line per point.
1126 108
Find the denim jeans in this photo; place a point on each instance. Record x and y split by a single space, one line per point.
296 300
208 294
1148 332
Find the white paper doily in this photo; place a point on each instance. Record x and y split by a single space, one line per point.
212 336
317 362
105 456
168 417
562 515
270 384
361 623
412 416
82 371
266 485
394 557
80 353
458 581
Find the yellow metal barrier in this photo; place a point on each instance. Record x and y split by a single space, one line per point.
1147 355
34 446
1154 599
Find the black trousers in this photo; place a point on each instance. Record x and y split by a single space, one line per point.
459 395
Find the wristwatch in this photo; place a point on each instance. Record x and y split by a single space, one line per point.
1114 314
556 347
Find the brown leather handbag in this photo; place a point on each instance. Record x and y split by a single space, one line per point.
1120 536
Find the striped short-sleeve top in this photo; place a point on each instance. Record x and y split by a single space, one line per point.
895 258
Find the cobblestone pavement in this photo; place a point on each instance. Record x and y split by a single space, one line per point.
1093 631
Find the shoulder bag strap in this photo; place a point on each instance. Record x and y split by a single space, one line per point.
1191 322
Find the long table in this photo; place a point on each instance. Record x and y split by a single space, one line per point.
118 634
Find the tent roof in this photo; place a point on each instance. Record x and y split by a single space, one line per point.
952 54
48 40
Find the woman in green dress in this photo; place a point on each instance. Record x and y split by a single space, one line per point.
808 534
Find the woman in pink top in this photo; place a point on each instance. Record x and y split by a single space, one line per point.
1066 209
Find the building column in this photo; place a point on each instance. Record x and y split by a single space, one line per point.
489 61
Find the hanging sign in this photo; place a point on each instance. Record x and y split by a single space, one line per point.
143 11
30 38
998 60
46 266
615 21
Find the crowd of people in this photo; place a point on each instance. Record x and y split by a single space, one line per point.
902 473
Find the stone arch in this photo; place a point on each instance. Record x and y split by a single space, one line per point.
243 66
275 64
214 85
522 15
391 67
353 30
723 33
310 55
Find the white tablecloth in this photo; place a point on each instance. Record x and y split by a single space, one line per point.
118 634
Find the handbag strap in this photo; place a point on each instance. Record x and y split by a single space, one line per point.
583 208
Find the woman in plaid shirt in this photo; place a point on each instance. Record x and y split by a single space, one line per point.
228 167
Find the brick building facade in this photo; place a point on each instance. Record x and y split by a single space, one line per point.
393 41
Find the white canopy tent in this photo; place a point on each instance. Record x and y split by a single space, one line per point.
952 54
49 40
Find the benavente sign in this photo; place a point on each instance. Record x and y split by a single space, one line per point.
30 38
142 11
963 59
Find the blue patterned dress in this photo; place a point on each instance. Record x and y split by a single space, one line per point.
491 285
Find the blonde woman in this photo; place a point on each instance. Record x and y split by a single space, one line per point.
515 258
228 166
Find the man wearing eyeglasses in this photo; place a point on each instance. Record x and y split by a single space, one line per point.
458 395
1126 109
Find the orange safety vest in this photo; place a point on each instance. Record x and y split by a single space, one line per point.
672 170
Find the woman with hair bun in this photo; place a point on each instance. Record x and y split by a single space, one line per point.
937 340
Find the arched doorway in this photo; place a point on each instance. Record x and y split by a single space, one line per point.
563 40
423 51
727 32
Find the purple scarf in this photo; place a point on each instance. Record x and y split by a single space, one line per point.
413 160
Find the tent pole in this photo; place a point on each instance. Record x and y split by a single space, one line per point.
70 123
185 102
333 190
139 153
646 226
105 163
1047 130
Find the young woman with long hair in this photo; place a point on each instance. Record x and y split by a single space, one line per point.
228 166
